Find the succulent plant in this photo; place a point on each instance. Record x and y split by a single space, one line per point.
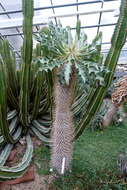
24 100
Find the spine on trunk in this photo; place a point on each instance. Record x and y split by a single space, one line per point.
63 130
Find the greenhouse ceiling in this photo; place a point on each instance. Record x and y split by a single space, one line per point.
95 16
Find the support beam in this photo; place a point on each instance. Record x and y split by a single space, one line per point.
12 23
57 6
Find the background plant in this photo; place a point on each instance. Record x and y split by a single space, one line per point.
96 95
24 99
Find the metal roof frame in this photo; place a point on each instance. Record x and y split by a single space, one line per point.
11 23
58 6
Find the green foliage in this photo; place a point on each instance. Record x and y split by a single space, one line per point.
60 49
27 58
74 56
97 94
42 163
96 123
95 161
24 99
78 29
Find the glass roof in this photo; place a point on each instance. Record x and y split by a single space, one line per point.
95 16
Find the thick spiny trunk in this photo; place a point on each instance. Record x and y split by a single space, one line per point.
63 131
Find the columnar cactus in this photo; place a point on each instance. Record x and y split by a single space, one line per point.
97 94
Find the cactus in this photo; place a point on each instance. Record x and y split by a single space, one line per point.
17 171
66 60
23 99
117 42
27 59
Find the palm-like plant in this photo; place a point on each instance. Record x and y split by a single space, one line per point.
73 60
70 60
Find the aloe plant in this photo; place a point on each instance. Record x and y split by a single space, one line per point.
24 99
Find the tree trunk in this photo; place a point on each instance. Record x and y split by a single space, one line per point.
109 115
62 131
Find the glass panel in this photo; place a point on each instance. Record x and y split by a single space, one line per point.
123 57
111 4
45 13
105 47
62 2
107 33
91 33
70 21
66 10
89 7
108 18
87 1
11 5
15 41
88 20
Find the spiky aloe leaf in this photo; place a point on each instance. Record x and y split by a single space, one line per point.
68 51
66 72
81 73
118 40
27 58
17 171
